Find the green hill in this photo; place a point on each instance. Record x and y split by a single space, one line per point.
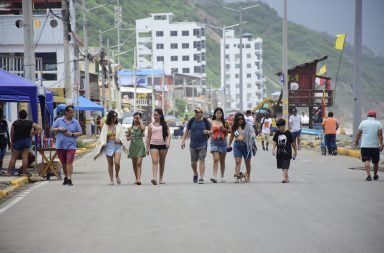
263 21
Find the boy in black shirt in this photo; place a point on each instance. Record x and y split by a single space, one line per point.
282 148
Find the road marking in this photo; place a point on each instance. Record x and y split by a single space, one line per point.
22 195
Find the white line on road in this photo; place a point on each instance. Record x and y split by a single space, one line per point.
16 200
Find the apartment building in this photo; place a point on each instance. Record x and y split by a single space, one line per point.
176 47
253 87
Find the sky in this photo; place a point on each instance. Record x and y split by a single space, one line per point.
336 17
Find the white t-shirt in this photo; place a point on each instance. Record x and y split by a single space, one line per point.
294 122
304 119
266 127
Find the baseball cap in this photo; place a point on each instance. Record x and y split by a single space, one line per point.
371 114
198 109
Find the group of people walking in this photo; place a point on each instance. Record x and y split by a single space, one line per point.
112 141
242 133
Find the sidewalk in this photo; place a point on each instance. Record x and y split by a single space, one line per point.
9 184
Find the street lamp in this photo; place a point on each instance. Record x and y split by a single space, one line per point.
223 29
240 11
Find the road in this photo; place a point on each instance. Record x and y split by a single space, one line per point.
325 208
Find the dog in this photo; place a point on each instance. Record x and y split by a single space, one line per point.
243 177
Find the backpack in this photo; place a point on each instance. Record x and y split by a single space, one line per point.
205 122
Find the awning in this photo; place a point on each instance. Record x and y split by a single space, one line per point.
84 105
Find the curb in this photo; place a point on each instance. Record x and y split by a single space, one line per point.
349 152
14 185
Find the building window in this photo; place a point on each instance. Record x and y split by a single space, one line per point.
173 58
249 75
227 66
257 65
197 69
185 33
227 76
185 57
257 45
248 46
159 46
185 45
159 33
203 56
236 75
227 56
196 32
196 57
174 70
249 85
160 17
173 45
203 68
249 65
237 66
160 58
226 46
185 70
173 33
202 44
258 76
249 56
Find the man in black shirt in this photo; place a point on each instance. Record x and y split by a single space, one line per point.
4 137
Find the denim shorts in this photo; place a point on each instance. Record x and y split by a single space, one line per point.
240 150
2 153
111 148
22 144
219 145
198 153
296 134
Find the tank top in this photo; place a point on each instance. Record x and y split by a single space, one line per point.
22 129
157 135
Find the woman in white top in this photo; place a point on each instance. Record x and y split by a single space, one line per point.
158 141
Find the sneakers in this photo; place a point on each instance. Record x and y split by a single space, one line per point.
70 182
118 180
65 181
213 180
221 180
376 177
195 179
369 178
201 181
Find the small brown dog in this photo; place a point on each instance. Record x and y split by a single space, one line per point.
242 177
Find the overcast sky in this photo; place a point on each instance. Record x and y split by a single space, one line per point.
336 17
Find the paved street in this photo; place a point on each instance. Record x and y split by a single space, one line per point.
325 208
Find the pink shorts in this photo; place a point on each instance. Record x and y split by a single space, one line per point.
66 155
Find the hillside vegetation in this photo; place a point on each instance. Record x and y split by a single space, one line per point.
263 21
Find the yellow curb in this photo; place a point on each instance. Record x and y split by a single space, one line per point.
349 152
19 181
6 191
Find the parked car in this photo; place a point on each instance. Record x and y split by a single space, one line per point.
172 121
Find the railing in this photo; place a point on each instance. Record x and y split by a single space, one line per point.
310 97
15 64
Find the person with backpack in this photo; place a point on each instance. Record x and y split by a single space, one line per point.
199 129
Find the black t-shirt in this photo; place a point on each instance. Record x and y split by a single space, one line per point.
283 141
22 129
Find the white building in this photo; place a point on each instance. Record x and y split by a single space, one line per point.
176 47
253 87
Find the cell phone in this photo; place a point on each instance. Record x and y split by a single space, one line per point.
229 149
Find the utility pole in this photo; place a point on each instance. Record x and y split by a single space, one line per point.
285 63
29 49
134 79
357 68
87 87
118 19
101 63
67 73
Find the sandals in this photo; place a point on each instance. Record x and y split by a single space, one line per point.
118 180
153 181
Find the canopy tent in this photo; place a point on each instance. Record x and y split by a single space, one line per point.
84 105
11 84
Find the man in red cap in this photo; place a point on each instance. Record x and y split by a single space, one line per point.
371 145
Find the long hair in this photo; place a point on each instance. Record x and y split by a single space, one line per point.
109 118
136 113
222 117
236 123
163 123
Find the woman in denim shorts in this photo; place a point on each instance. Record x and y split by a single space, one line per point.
219 143
243 135
113 139
21 140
